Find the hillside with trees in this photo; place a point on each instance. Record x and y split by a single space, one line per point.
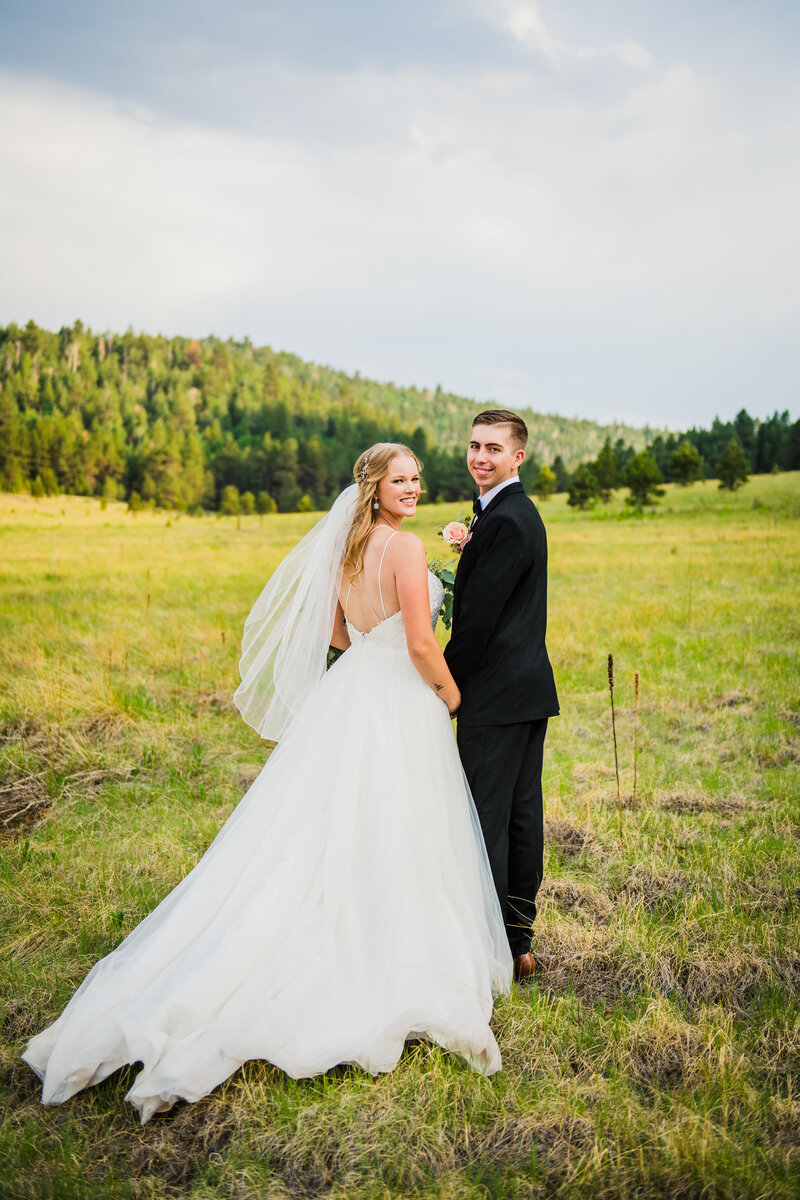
205 424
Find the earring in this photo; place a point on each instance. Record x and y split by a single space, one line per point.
375 505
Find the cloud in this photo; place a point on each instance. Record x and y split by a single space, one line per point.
579 239
524 22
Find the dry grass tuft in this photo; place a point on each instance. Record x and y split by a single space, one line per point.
567 837
698 802
173 1147
649 887
513 1142
667 1053
19 1020
24 802
732 980
105 725
787 1127
733 700
578 899
584 772
588 963
780 756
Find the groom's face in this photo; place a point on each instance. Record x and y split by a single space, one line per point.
493 456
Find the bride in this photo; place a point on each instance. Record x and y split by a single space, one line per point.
347 903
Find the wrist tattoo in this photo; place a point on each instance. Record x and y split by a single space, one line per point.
439 687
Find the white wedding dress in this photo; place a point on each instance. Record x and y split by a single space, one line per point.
345 906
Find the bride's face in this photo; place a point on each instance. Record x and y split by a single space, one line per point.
400 487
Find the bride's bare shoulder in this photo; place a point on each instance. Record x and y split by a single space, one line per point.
407 545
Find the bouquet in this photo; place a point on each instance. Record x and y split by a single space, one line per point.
455 534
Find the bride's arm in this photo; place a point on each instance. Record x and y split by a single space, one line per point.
411 579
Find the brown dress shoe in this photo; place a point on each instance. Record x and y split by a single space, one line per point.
524 966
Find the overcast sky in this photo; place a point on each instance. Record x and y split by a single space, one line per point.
589 207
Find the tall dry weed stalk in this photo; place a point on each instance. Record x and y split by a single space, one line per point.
613 721
60 699
611 693
635 730
689 579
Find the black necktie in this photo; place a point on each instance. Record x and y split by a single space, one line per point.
476 505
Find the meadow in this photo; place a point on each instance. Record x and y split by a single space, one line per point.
657 1052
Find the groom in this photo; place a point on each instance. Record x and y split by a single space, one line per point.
498 658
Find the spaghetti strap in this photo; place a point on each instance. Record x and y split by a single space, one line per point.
380 568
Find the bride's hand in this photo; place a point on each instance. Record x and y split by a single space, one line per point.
452 698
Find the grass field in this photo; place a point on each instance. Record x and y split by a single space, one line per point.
659 1052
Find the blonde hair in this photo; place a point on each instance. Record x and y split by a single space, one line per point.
369 469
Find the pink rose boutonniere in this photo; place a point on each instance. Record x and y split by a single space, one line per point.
455 534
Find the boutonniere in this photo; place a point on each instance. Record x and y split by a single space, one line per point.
455 534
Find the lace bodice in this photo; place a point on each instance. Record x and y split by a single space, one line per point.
390 632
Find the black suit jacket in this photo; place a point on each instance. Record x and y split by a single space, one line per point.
497 651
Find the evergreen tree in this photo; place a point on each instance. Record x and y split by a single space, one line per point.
583 490
685 463
561 473
545 483
745 433
643 477
606 471
732 468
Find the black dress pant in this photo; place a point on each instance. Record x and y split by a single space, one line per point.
503 765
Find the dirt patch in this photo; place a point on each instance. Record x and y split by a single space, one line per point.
512 1142
732 981
578 899
24 802
26 730
780 756
648 887
697 802
106 726
569 839
588 964
584 772
732 700
220 701
174 1146
666 1058
18 1020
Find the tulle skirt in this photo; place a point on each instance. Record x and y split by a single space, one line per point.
346 905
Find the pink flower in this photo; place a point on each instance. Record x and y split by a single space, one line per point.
455 534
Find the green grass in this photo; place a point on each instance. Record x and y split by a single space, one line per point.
658 1053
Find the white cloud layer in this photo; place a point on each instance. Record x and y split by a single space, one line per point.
605 236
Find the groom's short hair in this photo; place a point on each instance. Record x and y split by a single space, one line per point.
502 416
